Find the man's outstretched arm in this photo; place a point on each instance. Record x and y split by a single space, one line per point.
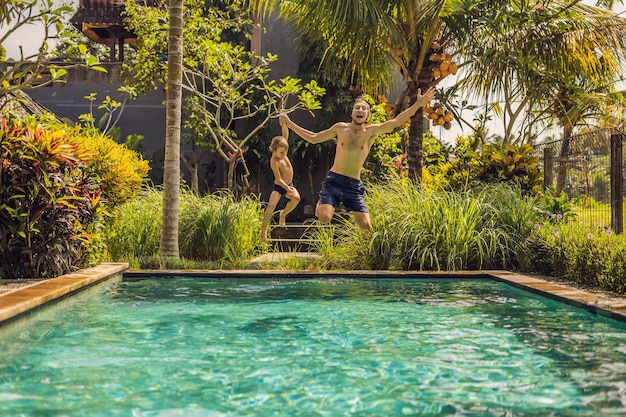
305 134
422 100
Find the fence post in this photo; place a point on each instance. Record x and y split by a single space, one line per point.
617 216
548 175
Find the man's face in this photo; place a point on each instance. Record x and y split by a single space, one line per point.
360 112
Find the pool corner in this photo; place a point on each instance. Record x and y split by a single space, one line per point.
597 303
19 301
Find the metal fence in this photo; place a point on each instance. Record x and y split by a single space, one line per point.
588 166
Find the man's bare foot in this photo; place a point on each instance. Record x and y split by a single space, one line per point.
281 219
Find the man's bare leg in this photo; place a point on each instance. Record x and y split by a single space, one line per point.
362 219
324 212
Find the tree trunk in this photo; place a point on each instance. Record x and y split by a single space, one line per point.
192 167
415 153
232 164
420 79
171 169
310 171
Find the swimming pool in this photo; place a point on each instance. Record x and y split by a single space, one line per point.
312 347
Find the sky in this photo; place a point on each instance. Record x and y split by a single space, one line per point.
29 39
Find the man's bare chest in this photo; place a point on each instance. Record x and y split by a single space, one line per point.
354 141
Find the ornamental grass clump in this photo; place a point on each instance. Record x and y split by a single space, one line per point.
220 227
134 227
216 228
456 231
418 229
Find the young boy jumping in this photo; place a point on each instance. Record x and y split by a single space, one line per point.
283 181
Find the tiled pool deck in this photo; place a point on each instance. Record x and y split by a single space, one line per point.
19 301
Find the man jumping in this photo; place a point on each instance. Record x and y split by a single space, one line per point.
354 141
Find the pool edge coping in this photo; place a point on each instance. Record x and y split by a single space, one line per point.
603 305
22 300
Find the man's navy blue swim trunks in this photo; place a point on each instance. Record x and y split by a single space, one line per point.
338 188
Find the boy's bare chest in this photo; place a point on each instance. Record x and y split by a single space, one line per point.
283 164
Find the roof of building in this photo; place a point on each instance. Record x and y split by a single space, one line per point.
99 19
21 104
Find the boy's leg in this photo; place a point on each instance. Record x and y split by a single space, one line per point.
269 211
289 207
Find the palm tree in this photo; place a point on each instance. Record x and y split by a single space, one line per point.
171 170
552 58
518 52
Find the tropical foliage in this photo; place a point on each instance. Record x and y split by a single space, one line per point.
47 200
514 54
539 63
54 183
119 171
230 96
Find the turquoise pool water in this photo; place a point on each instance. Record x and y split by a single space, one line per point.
341 347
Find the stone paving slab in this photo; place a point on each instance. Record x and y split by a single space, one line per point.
275 257
20 300
598 303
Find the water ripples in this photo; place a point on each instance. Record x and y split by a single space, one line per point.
315 348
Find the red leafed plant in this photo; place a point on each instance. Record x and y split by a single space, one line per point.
47 199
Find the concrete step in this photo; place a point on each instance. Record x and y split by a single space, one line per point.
293 237
292 245
278 257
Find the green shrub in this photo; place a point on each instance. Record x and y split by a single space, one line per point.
509 162
120 171
47 200
589 256
557 209
214 228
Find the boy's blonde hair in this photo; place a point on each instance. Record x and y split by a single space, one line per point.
277 142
